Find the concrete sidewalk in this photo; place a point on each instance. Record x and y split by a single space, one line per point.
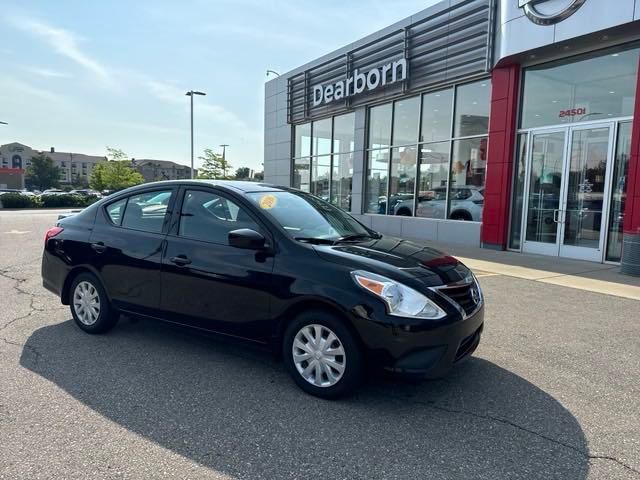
589 276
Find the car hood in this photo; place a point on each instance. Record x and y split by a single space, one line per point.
397 259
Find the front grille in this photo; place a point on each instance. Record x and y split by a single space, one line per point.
463 296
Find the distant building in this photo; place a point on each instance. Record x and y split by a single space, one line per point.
155 170
15 158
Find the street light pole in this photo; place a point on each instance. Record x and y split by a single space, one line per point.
224 158
191 93
4 123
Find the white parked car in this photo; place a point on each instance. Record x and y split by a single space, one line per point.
466 204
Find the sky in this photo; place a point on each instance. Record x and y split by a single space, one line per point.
81 75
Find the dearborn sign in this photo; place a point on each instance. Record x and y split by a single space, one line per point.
359 82
557 11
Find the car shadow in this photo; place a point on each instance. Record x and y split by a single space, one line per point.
235 410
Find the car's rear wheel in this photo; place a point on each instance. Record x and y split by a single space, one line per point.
90 306
322 355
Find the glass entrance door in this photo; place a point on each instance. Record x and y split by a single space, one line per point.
583 215
545 180
567 192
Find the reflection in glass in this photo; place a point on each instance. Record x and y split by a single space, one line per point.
432 183
403 180
341 177
302 140
468 170
320 172
321 137
436 116
301 174
618 193
472 109
344 127
585 192
405 121
544 187
380 126
590 88
518 192
377 181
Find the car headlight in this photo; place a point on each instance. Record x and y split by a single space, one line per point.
402 301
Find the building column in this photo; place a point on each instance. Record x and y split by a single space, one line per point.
359 162
505 82
631 237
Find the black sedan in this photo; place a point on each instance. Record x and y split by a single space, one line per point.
270 265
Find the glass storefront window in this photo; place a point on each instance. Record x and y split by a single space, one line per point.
344 127
518 192
472 109
468 170
377 181
436 116
341 177
328 172
457 182
405 121
618 193
301 174
302 139
403 178
592 87
321 135
380 126
432 182
320 176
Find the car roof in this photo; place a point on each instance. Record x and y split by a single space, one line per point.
235 185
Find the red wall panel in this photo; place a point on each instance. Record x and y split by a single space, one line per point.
502 138
632 203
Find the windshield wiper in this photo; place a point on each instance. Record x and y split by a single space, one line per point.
316 241
357 236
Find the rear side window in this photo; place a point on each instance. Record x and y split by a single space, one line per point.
115 211
147 211
209 217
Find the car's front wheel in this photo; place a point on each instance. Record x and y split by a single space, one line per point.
322 355
90 306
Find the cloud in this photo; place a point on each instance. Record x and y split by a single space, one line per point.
11 87
65 43
264 35
172 94
45 72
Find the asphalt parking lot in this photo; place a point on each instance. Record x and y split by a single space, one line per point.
552 393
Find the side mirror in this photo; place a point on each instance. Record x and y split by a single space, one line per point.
247 239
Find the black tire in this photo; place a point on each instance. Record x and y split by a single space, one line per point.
404 212
107 317
352 358
461 215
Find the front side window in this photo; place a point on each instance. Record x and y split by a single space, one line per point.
209 217
306 217
147 211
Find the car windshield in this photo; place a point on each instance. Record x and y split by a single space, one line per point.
309 218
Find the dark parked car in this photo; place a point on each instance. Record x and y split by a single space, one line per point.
272 265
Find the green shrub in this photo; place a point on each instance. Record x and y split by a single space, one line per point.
17 200
62 201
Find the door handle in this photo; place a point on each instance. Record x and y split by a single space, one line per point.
556 216
180 260
99 247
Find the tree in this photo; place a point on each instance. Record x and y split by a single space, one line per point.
243 173
259 176
42 173
79 182
115 175
116 154
213 165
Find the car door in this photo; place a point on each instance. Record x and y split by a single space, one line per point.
127 243
205 282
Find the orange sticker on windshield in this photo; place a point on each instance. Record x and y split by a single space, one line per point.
268 202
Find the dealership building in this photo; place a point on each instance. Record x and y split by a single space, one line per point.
506 124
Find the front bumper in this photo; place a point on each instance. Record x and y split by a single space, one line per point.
427 352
